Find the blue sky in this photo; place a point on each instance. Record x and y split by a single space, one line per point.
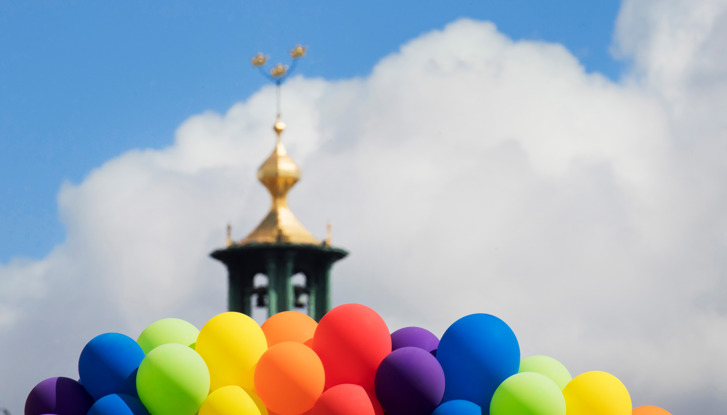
84 81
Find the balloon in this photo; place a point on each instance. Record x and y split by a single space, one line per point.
118 405
289 326
458 407
527 393
231 344
289 378
168 330
547 366
61 396
258 402
378 409
229 400
351 341
597 393
650 410
409 381
173 379
108 365
344 399
477 353
414 336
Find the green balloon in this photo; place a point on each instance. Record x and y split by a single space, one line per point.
173 380
168 330
527 393
547 366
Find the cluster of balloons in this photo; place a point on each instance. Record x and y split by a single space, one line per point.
348 364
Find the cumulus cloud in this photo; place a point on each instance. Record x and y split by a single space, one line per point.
467 173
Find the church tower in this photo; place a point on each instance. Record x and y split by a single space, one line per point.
262 266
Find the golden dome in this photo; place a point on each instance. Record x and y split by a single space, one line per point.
278 174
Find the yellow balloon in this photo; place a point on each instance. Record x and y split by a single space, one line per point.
596 393
229 400
231 344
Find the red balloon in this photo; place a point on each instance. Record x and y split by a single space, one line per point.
649 410
378 409
344 399
351 340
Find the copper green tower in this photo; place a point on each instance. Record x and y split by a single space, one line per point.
279 247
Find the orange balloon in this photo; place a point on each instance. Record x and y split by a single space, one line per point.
352 340
650 410
259 402
344 399
289 326
289 378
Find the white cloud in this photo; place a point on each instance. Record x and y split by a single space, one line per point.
467 173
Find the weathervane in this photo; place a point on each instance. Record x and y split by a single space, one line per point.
278 73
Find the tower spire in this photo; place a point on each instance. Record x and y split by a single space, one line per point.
279 173
280 246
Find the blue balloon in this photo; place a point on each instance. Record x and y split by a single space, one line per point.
108 365
118 405
458 407
477 353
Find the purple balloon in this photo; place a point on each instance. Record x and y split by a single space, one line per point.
60 396
409 381
415 337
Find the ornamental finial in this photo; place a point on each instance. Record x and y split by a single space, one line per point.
279 72
259 59
297 52
329 230
279 127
